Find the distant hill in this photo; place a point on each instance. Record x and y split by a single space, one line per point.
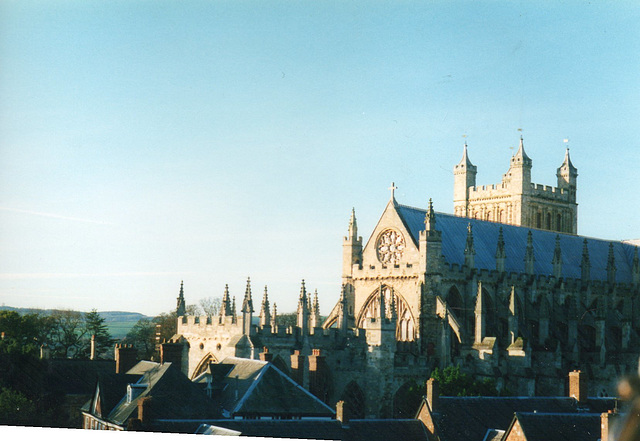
118 322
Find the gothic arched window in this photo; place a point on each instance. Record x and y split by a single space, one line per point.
353 396
405 328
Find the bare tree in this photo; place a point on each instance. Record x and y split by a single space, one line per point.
193 310
68 333
211 305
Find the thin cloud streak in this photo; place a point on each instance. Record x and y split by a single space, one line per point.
55 216
18 276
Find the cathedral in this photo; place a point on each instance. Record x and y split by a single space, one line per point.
503 288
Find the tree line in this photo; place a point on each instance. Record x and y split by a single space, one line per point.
64 334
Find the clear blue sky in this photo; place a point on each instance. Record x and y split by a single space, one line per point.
147 142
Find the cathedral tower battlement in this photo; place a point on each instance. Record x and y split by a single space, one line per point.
516 200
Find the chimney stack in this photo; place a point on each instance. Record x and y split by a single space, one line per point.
171 352
126 357
607 424
433 393
93 347
297 367
578 386
144 410
265 355
45 352
318 375
342 412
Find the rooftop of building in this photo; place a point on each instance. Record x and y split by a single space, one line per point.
485 236
469 418
245 387
354 430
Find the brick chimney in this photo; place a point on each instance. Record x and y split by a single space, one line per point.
607 422
297 367
45 352
92 356
144 410
126 357
342 412
578 386
171 352
265 355
318 375
433 394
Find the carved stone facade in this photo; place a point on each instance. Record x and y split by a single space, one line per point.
521 305
516 200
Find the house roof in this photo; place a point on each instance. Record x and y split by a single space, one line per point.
142 367
485 236
250 387
559 427
77 377
327 429
469 418
111 388
172 395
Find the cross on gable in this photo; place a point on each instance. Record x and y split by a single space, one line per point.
393 188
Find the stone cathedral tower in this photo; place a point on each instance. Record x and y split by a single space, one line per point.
516 200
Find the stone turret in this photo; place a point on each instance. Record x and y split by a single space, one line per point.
247 310
343 313
469 250
303 313
516 200
315 312
464 175
351 247
529 258
234 316
181 308
393 313
519 174
225 307
480 315
513 315
430 222
274 317
568 176
430 243
265 313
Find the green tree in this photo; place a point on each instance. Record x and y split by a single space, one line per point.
287 319
168 322
143 334
142 337
16 408
94 324
454 383
25 333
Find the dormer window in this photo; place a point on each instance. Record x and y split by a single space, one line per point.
134 391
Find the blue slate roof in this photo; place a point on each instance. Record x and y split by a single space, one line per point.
485 239
469 418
